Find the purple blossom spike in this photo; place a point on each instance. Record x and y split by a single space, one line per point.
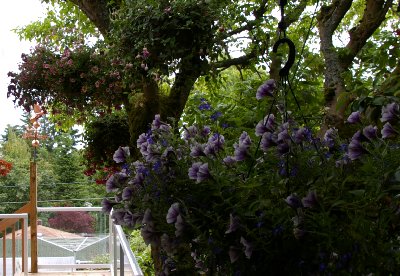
169 151
266 89
121 154
190 132
205 131
310 200
204 106
197 150
283 148
359 136
388 131
301 135
106 205
261 128
203 173
118 198
130 219
343 161
147 218
173 213
248 247
215 115
354 118
234 223
244 139
156 122
293 201
330 136
390 112
194 170
234 254
355 149
268 140
115 181
127 193
370 132
141 140
283 136
267 124
118 216
241 152
215 143
229 160
179 226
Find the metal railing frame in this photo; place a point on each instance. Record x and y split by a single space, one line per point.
24 254
116 234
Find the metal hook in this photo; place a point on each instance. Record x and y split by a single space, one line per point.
284 72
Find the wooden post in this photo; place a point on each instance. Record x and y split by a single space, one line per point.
33 220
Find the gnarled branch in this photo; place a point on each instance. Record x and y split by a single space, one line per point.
97 11
374 14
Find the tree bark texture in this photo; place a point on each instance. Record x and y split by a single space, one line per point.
336 64
97 11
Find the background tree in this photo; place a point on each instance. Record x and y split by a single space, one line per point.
75 222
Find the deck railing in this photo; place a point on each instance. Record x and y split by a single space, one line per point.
10 222
122 261
122 257
114 244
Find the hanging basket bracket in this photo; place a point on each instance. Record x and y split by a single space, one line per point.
284 72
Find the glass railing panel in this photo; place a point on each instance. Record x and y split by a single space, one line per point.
72 237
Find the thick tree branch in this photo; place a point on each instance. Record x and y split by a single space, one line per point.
374 14
331 16
242 60
97 11
328 21
189 71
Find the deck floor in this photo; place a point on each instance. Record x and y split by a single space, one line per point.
77 273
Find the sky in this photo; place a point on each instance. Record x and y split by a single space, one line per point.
13 14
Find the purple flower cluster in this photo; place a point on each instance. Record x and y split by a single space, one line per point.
116 181
234 224
148 230
265 125
354 118
121 154
204 105
199 172
390 113
242 149
330 137
215 144
293 201
174 216
266 89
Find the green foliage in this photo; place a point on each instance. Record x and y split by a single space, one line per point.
169 31
277 202
65 26
102 136
142 253
60 176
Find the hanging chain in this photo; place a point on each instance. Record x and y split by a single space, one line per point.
282 24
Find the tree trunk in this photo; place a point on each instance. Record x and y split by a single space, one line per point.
329 19
141 108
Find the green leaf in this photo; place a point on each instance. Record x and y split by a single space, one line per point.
357 193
